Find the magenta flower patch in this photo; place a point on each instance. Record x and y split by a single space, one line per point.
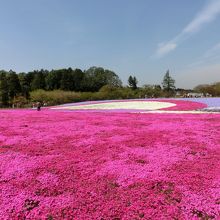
106 165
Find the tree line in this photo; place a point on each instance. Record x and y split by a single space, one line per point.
213 89
22 84
66 85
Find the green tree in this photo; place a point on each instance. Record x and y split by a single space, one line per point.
30 77
25 85
94 79
14 87
168 83
132 82
112 79
67 80
39 79
50 81
216 87
212 89
78 76
4 98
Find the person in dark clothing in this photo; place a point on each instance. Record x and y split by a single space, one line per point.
39 106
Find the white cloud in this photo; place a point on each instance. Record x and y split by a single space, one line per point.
165 48
207 15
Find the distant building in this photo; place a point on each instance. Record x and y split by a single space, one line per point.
181 93
208 95
178 93
194 95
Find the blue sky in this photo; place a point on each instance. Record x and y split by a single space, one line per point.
131 37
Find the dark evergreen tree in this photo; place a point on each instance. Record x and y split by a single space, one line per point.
14 87
168 82
53 79
4 97
30 77
25 85
78 76
39 79
67 81
132 82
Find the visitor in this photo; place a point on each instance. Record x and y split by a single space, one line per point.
38 106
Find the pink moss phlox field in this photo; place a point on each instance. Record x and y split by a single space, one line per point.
78 165
180 105
185 105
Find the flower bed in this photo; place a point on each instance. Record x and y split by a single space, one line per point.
213 104
182 105
65 165
134 105
210 102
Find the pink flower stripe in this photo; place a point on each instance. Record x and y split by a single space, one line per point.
185 105
83 165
